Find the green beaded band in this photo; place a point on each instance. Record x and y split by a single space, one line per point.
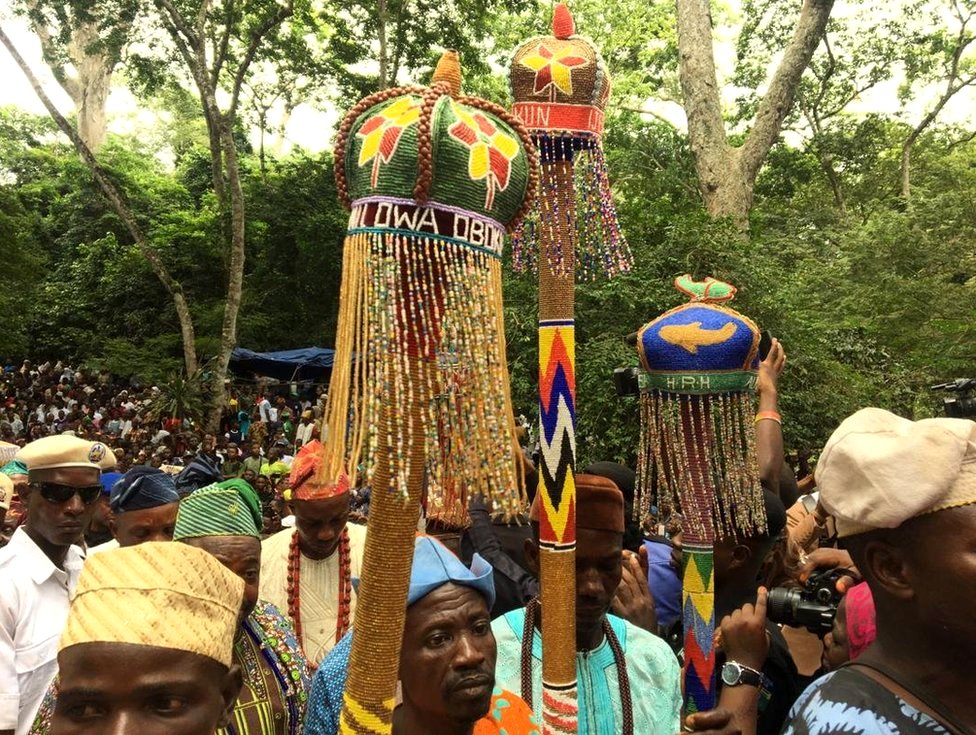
732 381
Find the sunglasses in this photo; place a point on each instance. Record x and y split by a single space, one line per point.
58 494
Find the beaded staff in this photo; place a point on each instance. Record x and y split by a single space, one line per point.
561 86
432 179
697 453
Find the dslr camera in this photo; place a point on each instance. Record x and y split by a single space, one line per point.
812 606
959 402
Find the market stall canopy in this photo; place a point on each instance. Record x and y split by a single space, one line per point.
307 363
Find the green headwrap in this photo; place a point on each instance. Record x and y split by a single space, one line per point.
14 467
229 508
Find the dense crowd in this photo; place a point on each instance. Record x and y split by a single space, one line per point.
260 430
254 612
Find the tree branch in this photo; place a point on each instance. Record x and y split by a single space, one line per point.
284 12
221 55
699 86
779 97
179 23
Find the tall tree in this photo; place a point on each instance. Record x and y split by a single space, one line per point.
218 43
118 202
727 173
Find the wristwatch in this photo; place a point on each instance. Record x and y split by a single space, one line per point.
735 674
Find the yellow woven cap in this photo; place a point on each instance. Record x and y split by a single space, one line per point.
162 594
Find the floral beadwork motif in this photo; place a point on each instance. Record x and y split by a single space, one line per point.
382 132
491 150
554 69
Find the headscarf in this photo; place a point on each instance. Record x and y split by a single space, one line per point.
142 487
14 467
304 471
861 627
229 508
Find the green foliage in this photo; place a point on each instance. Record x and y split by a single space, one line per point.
874 301
179 397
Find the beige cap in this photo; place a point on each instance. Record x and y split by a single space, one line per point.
6 491
53 452
878 470
162 594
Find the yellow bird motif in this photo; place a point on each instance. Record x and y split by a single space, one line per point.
691 336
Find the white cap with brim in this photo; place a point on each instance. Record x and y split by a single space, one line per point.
879 470
56 452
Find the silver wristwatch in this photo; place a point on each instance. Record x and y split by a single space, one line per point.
735 674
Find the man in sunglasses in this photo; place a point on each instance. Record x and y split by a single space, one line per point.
40 566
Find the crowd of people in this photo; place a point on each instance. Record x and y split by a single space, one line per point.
156 579
259 432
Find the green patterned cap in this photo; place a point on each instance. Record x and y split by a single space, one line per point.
434 146
229 508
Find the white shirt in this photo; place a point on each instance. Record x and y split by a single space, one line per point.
34 597
319 587
264 408
304 434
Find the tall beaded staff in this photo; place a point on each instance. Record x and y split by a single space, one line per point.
432 179
561 86
697 452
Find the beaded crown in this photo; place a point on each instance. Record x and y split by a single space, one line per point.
560 81
697 454
700 347
432 145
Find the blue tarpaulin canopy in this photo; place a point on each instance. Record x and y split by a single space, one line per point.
307 363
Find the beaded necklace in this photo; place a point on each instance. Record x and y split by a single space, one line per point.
623 680
294 588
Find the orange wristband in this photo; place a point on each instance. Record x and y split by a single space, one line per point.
770 415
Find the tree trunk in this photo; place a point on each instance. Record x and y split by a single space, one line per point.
94 84
727 176
235 276
118 203
89 83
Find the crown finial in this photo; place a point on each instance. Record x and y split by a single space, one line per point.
448 72
563 25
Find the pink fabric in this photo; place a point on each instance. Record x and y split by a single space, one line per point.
861 630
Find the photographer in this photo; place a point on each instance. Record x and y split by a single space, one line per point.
903 495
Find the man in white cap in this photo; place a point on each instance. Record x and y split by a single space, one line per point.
39 568
148 646
903 495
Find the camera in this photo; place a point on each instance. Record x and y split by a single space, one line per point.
812 606
626 381
959 403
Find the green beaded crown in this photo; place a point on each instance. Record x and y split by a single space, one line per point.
433 146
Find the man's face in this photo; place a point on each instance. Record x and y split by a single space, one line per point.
941 569
136 527
447 663
249 477
320 524
126 689
240 554
102 514
61 524
255 450
231 453
599 557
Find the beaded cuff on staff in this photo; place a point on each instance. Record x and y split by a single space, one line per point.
697 453
561 86
433 180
